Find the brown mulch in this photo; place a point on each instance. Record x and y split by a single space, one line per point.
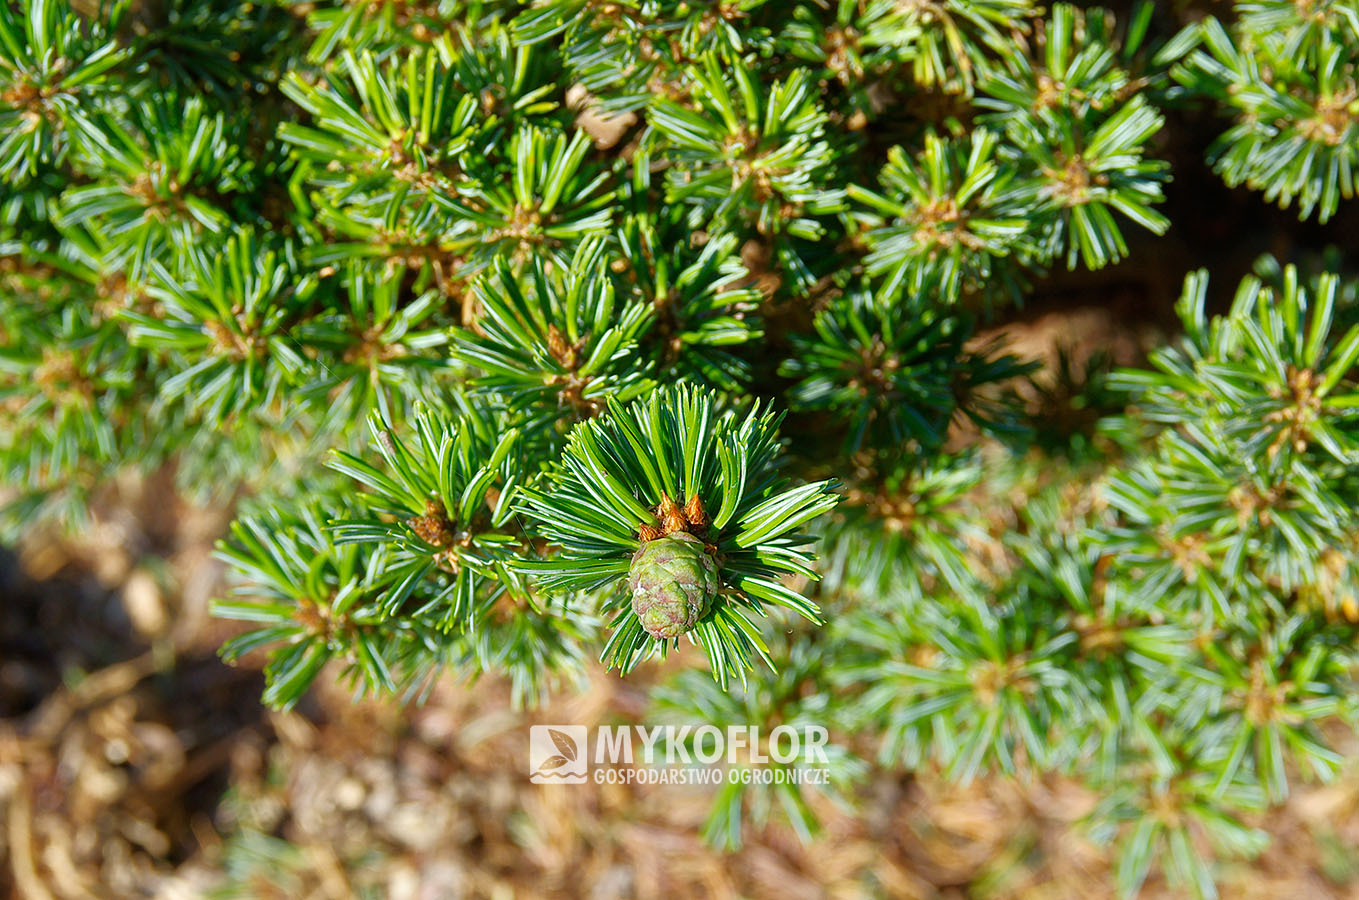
134 764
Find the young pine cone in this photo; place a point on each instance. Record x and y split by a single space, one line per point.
673 581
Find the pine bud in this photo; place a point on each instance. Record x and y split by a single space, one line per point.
695 513
673 581
672 516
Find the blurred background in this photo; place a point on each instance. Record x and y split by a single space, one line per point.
133 763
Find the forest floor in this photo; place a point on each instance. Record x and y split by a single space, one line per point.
133 763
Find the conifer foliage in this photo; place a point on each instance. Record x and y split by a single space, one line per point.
534 336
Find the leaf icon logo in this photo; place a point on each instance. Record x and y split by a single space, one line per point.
565 745
558 754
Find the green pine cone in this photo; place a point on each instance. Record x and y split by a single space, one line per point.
673 581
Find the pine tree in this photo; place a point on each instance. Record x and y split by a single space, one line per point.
498 395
